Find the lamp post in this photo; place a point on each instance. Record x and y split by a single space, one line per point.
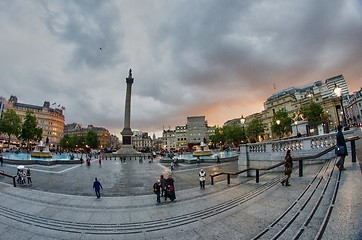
338 91
242 122
278 123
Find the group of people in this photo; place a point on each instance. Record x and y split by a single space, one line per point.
164 188
24 177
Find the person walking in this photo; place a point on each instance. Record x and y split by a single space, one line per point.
170 188
28 176
97 187
162 180
172 166
341 142
157 190
202 176
288 167
217 159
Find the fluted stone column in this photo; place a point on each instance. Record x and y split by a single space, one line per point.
127 132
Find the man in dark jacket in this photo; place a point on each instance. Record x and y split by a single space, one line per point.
157 190
341 142
97 187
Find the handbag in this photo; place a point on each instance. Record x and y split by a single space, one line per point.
288 171
340 150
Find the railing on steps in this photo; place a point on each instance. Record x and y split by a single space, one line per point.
2 173
299 159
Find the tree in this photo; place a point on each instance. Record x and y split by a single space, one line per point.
285 123
218 136
30 130
67 142
233 133
92 139
314 112
10 124
254 128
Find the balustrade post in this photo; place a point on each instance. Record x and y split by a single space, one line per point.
300 168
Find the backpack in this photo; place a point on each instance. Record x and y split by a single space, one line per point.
154 189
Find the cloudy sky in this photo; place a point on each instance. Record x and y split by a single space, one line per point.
218 59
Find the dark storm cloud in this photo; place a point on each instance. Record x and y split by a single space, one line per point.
93 28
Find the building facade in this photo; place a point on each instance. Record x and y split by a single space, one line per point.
141 141
75 129
354 108
293 99
50 119
185 137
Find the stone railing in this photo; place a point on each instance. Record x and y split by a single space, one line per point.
275 150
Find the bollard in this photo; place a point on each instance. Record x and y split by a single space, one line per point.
300 168
353 150
228 178
257 176
212 180
14 181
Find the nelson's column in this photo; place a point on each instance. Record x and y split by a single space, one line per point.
127 147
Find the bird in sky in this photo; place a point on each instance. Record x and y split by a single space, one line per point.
100 49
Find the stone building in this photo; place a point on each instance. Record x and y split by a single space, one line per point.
293 99
49 117
354 108
75 129
193 133
141 141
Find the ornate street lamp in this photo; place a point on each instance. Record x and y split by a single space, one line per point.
338 91
242 122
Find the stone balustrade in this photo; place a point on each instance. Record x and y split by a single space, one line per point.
275 150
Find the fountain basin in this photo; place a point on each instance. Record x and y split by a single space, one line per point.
41 154
199 153
29 159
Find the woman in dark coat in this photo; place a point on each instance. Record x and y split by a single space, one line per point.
170 189
341 142
288 167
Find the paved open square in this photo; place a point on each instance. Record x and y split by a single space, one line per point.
61 203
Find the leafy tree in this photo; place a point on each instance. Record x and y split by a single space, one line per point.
10 124
30 130
92 139
285 124
67 142
79 141
314 112
254 128
218 136
234 134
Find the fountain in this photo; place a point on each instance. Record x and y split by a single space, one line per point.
41 151
202 150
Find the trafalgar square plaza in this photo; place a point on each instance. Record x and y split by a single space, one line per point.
243 197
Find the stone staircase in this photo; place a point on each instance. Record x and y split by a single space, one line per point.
306 216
